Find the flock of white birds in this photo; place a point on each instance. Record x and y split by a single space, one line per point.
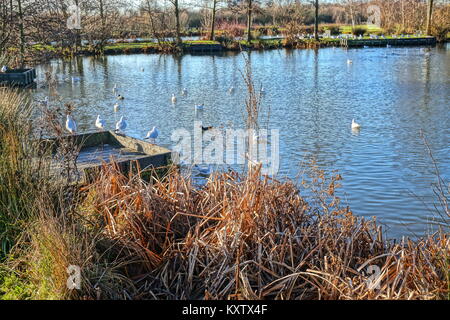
153 134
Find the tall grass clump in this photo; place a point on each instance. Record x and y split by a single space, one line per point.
40 231
23 171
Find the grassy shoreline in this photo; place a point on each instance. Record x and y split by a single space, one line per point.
43 53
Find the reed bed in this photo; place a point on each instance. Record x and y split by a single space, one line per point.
252 237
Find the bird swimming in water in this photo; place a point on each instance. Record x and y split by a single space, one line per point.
231 90
121 125
120 97
355 126
100 123
206 128
174 98
116 107
206 172
184 92
152 134
71 125
349 61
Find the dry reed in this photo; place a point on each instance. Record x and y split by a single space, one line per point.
257 238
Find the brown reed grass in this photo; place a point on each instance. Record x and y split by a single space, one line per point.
257 238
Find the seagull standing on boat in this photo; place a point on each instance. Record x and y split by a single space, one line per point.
121 125
355 126
152 135
100 123
71 126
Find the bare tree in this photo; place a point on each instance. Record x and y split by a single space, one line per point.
316 20
249 19
213 20
429 16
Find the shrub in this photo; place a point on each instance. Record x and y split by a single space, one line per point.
357 31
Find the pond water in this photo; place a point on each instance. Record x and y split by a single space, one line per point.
395 93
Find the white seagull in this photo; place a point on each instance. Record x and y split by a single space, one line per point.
174 99
121 125
355 126
152 135
71 126
116 107
349 61
100 123
4 69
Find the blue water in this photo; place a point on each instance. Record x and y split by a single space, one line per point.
395 93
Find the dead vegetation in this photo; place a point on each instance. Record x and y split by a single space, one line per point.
257 238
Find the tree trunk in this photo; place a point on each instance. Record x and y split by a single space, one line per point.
316 20
429 16
249 20
22 33
177 22
103 30
213 22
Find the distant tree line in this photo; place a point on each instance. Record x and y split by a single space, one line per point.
25 23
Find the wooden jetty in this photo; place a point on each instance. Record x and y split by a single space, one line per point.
382 42
96 149
18 77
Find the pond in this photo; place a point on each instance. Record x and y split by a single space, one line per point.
394 93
